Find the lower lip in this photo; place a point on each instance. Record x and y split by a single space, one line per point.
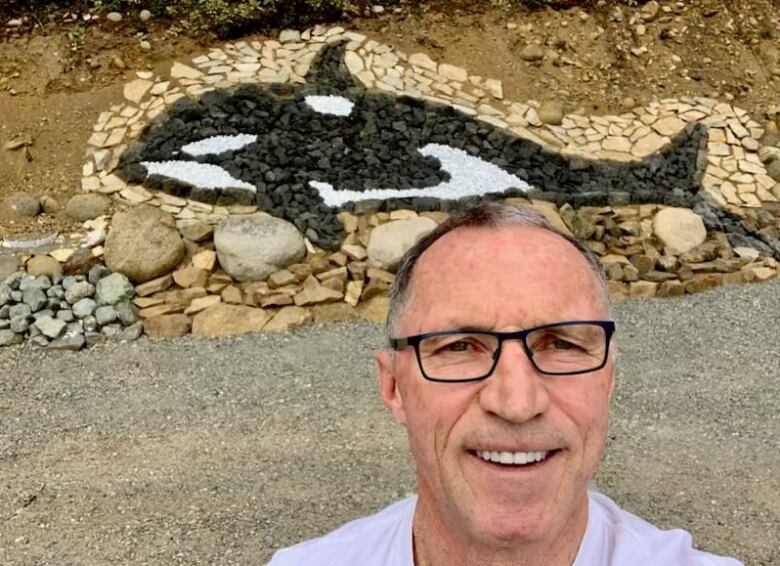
514 468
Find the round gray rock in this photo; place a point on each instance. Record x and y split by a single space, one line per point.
21 204
143 244
50 327
9 338
251 248
126 312
113 289
87 206
19 324
105 315
35 299
79 290
84 308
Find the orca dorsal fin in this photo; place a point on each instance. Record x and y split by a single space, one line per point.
329 73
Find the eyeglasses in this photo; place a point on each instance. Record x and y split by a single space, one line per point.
563 348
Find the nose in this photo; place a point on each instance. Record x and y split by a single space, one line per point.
515 391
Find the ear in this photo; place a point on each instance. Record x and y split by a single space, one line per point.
388 385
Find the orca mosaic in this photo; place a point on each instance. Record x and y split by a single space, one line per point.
302 152
328 120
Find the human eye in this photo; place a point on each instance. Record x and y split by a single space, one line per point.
563 344
454 344
555 341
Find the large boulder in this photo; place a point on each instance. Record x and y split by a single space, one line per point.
250 248
390 241
679 229
143 244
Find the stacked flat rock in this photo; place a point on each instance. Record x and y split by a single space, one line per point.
67 313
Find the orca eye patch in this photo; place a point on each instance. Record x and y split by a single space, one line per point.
330 104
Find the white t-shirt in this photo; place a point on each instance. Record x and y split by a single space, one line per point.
613 537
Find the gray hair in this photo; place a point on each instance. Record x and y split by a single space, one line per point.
485 215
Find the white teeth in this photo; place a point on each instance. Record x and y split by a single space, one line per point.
516 458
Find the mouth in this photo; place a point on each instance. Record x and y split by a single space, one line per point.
516 460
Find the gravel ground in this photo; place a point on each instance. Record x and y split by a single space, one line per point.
198 451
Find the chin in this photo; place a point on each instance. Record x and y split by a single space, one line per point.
505 527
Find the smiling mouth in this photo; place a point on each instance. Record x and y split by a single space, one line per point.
514 459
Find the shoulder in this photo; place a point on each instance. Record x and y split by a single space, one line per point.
617 537
383 539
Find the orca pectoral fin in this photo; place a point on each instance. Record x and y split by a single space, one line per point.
201 175
469 176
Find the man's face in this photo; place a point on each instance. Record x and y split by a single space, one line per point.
502 279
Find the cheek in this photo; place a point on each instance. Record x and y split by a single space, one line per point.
586 405
433 412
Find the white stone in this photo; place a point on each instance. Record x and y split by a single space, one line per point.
330 104
494 88
252 247
216 145
202 175
679 229
423 61
181 71
469 175
354 62
617 144
669 125
453 73
390 241
134 91
289 35
649 144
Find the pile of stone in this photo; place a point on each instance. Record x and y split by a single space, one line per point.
69 312
256 272
651 251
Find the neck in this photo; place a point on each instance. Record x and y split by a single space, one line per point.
437 544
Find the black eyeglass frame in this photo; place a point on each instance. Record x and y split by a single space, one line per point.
607 325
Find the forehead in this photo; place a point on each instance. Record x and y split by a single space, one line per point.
516 276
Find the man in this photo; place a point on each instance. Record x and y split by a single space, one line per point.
501 370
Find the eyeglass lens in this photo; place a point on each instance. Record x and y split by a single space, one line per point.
556 349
